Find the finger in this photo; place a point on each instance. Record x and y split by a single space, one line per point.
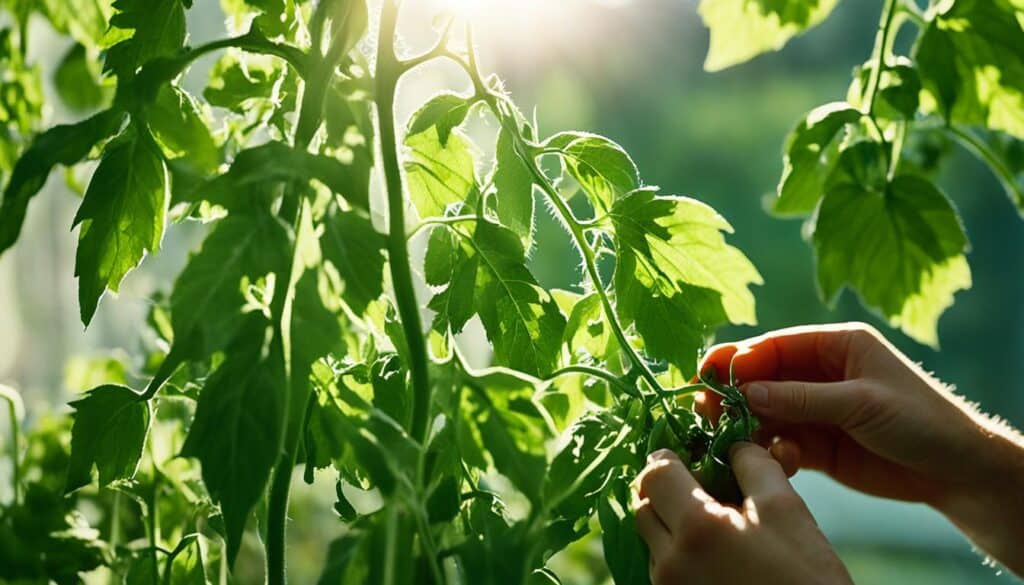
837 403
758 474
817 353
652 530
668 486
787 453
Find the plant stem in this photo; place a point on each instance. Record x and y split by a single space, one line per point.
13 408
882 43
594 373
277 517
388 73
984 153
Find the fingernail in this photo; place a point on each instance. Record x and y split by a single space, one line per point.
757 396
659 455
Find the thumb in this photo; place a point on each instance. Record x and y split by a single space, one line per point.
805 402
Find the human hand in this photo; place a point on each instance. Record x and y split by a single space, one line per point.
844 401
694 539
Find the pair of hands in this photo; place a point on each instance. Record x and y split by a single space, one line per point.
838 399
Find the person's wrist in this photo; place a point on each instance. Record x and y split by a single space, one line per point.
990 486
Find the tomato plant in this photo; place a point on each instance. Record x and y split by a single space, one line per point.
295 337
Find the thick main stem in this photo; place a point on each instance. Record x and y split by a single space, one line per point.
388 71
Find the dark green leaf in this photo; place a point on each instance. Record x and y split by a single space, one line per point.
900 244
356 251
805 166
522 321
453 262
67 145
159 31
110 429
238 426
626 555
129 188
273 162
208 296
181 128
743 29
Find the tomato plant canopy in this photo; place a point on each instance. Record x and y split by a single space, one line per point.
297 335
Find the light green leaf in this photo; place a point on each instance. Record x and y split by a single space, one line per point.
439 176
66 145
602 168
237 79
805 166
84 20
182 128
899 90
743 29
513 184
899 244
445 112
674 266
128 190
110 429
238 425
624 552
971 59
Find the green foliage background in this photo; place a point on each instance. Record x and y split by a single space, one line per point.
633 73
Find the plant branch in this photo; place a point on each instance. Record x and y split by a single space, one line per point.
15 409
580 369
983 152
881 50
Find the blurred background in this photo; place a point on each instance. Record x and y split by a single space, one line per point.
630 70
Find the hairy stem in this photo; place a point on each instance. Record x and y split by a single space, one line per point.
593 373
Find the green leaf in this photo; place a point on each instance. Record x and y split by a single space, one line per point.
439 175
625 553
511 427
356 251
208 296
586 332
237 79
453 262
602 168
83 20
899 244
971 59
274 162
110 429
66 145
129 188
743 29
182 128
238 425
187 567
676 267
522 321
493 553
805 165
899 90
513 184
78 80
445 112
159 31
